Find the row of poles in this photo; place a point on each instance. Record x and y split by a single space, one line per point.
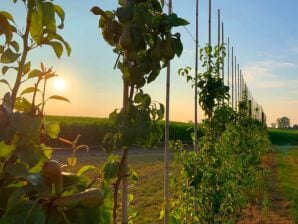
234 79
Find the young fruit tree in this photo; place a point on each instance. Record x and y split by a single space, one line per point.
140 34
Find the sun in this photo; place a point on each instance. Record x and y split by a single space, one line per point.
59 84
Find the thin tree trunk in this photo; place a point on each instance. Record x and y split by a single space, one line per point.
125 159
167 129
22 62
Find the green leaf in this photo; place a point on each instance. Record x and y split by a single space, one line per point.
36 29
5 82
17 169
85 169
72 161
27 67
29 90
48 12
15 45
61 14
9 56
56 97
34 73
58 48
60 38
5 28
22 105
7 15
52 129
6 150
25 212
176 21
5 69
110 169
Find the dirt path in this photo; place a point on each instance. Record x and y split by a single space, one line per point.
275 209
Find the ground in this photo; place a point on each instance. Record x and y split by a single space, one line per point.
276 205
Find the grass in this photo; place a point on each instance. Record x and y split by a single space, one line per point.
147 192
287 166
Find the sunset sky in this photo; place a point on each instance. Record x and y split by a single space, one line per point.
264 34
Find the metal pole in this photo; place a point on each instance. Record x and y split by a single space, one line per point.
229 65
232 77
167 131
238 83
223 61
235 82
209 22
196 78
218 27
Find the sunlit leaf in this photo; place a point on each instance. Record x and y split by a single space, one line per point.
58 48
52 129
56 97
36 29
5 150
61 14
85 169
29 90
34 73
72 161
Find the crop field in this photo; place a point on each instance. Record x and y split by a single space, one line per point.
92 130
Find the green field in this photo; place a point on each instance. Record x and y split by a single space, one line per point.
92 130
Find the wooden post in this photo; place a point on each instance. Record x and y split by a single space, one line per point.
167 133
196 79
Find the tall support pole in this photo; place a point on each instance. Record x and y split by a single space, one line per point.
235 82
167 133
241 85
209 24
229 66
223 42
239 90
218 27
232 77
196 79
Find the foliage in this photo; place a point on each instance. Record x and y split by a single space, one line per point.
34 188
283 122
215 182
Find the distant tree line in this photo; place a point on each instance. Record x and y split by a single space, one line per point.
284 123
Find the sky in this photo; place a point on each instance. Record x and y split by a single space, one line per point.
263 33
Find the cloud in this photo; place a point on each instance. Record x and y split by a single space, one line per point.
267 74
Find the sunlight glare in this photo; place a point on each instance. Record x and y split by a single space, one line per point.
59 84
